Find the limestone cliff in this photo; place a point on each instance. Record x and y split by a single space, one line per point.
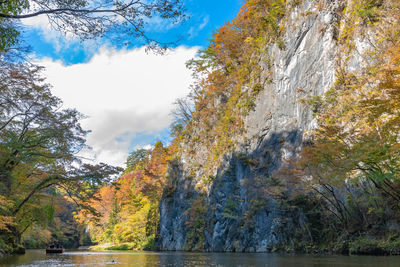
235 213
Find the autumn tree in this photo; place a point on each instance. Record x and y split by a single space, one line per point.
39 142
126 212
136 160
356 144
228 78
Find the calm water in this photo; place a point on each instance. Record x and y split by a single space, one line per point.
85 258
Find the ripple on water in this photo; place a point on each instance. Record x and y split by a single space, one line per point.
177 259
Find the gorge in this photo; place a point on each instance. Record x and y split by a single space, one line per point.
288 141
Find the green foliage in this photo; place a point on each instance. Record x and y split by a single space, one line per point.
281 44
123 246
60 227
370 246
49 211
195 224
231 77
315 103
352 160
13 7
8 37
127 214
136 160
4 247
230 210
38 146
8 32
37 238
364 245
368 9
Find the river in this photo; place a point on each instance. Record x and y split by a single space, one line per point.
150 259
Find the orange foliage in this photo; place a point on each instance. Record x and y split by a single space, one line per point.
232 75
359 119
119 200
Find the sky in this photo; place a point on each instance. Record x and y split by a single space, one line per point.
126 93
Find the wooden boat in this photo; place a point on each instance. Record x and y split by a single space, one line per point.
54 248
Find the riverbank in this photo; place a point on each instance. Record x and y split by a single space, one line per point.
366 245
388 245
363 245
7 250
112 246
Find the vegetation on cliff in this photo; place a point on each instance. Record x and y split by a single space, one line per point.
353 155
229 77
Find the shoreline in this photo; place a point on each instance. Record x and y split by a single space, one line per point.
371 251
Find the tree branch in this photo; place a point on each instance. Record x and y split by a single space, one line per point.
43 184
68 10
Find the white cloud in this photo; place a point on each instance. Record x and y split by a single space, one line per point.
63 42
204 23
50 35
123 92
193 31
159 24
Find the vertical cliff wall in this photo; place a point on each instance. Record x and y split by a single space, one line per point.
235 212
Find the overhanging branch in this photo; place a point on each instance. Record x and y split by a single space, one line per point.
68 10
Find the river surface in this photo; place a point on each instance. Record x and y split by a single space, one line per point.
150 259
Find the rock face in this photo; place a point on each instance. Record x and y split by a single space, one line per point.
235 214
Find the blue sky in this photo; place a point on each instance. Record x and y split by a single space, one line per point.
126 93
205 17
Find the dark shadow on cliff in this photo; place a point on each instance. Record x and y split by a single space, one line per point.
244 210
243 213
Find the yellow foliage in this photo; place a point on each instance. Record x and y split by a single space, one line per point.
359 119
5 221
127 210
233 79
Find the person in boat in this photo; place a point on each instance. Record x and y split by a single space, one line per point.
55 245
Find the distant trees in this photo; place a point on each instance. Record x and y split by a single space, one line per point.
127 210
88 19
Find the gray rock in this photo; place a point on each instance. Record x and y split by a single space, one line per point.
238 216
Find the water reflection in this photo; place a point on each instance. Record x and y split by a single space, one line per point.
173 259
